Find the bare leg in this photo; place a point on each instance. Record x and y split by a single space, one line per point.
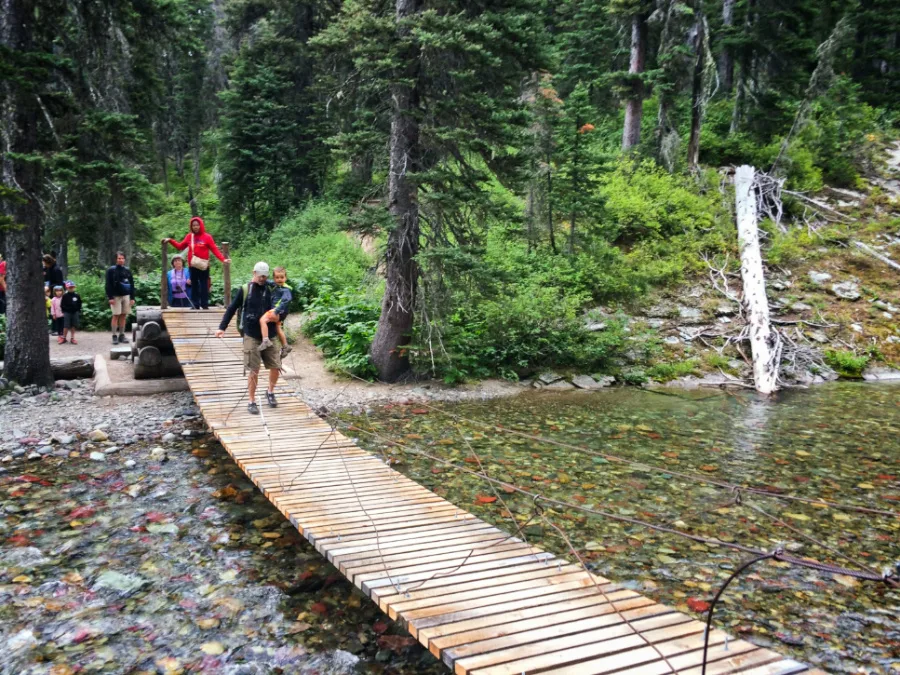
281 336
273 379
263 327
252 379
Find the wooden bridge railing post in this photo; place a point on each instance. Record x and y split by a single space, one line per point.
163 279
226 274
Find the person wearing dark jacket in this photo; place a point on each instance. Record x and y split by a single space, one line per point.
254 300
53 275
71 309
120 293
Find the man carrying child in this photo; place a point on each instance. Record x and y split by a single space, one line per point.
281 302
255 300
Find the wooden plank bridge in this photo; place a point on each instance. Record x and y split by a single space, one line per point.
480 600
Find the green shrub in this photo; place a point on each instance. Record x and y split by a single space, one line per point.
2 335
343 326
664 372
846 363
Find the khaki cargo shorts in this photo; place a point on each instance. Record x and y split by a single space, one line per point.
253 358
121 304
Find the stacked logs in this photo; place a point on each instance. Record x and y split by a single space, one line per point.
151 347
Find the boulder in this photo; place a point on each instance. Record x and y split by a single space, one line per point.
549 378
588 382
690 314
560 385
880 373
847 290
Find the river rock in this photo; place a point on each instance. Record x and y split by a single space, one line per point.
846 290
98 436
62 438
45 450
588 382
158 454
97 456
881 373
24 639
130 463
560 385
34 455
126 584
819 278
169 437
111 451
549 378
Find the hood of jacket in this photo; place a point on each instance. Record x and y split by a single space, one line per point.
197 219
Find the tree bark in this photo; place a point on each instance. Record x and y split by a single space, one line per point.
27 355
631 134
763 341
395 324
550 203
693 152
726 58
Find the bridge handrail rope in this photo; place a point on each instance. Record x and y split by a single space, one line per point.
869 574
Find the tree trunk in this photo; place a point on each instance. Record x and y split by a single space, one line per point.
361 169
726 58
196 156
631 134
62 255
550 204
395 324
740 94
27 354
763 341
693 153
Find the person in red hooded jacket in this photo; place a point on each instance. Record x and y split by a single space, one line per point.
199 243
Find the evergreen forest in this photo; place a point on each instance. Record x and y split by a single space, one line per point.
456 187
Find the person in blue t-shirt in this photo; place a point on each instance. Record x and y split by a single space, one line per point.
281 302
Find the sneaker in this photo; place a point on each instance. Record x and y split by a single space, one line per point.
115 339
287 349
61 340
122 339
270 397
265 344
74 341
252 408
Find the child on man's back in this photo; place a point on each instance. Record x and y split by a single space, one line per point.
281 301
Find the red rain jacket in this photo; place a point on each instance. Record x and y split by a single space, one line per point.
203 243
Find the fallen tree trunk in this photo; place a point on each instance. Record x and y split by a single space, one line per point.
763 340
70 367
875 254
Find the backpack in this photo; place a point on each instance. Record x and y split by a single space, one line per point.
241 312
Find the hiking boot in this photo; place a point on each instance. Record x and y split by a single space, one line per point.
265 344
252 408
270 397
122 339
115 339
287 349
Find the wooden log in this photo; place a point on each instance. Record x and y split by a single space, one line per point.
163 343
151 330
168 367
70 367
149 357
144 314
763 341
875 254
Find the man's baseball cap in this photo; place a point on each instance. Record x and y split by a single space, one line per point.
261 269
69 284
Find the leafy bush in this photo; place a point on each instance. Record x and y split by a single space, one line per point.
642 199
664 372
518 333
343 326
846 363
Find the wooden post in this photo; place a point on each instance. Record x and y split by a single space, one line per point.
226 274
763 342
164 280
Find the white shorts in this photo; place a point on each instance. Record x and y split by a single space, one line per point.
121 304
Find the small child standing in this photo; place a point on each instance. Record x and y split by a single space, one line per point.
71 309
57 313
49 301
281 302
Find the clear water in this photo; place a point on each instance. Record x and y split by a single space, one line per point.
839 442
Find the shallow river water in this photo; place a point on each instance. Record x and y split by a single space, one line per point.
182 566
